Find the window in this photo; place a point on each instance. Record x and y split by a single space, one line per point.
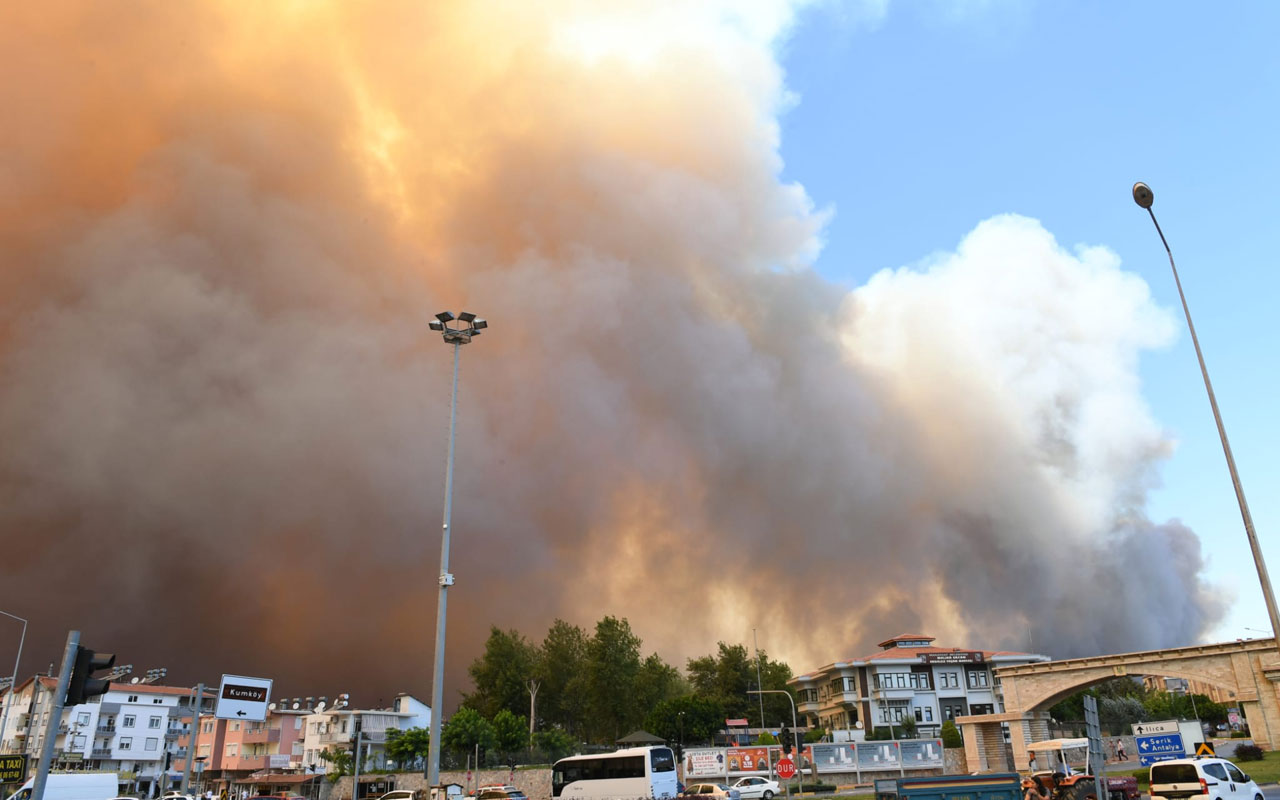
235 725
154 723
232 749
83 718
1215 771
128 720
79 743
1236 775
203 750
153 743
919 714
920 680
133 698
662 760
207 727
928 714
311 756
978 680
157 701
126 742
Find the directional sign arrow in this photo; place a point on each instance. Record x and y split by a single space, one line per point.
240 713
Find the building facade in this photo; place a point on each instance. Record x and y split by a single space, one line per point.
336 728
908 678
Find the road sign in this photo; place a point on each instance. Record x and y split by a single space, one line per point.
1147 761
13 769
1159 745
786 769
1152 728
1205 749
243 698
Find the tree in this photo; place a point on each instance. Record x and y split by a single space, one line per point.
408 747
766 738
728 675
511 735
818 734
1119 712
951 737
656 682
467 729
553 744
339 762
500 675
688 719
613 661
562 698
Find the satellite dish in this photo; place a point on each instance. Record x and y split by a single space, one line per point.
133 680
296 705
320 706
271 706
858 724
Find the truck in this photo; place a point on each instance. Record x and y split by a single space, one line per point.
73 786
992 786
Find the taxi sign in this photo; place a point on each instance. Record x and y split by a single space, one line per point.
13 769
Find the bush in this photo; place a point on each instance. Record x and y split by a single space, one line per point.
951 737
1239 735
1248 752
818 787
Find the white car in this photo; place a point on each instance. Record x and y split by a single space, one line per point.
1201 779
756 788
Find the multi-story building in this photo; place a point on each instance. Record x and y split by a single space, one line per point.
230 752
909 678
1187 686
132 729
336 728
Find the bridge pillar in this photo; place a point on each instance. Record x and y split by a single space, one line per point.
1018 740
972 750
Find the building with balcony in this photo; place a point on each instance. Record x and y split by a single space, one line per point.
908 678
231 752
336 728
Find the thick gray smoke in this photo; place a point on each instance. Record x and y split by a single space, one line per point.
223 417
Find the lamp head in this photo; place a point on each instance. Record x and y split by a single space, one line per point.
435 325
1142 195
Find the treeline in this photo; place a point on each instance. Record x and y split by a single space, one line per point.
1124 701
597 687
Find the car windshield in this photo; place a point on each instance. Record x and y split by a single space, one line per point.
1174 773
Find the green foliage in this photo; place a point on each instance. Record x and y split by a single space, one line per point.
728 675
408 747
908 728
465 730
339 761
613 663
1239 734
511 734
951 737
1248 752
766 738
690 719
501 674
1118 712
555 744
562 698
814 735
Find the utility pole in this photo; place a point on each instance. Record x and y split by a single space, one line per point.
191 740
55 715
533 685
759 683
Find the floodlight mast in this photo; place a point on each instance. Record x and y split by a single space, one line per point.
457 332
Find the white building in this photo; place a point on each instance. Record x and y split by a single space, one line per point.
909 678
336 728
128 730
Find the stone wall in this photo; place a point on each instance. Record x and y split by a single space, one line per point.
956 763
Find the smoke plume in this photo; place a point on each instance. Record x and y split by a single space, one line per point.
223 420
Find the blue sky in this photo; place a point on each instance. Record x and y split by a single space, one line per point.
915 124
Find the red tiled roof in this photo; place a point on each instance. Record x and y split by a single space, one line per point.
152 688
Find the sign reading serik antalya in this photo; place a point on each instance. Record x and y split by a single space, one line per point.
958 657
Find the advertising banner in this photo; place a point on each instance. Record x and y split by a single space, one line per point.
748 759
879 755
922 753
703 763
834 757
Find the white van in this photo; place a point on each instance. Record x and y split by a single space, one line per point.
73 786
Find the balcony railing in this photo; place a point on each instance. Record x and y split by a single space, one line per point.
261 735
101 752
333 736
244 762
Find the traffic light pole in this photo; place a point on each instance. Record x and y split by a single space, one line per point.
191 740
55 716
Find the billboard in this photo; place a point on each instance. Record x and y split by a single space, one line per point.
748 759
706 763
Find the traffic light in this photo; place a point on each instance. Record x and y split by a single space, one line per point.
787 740
83 685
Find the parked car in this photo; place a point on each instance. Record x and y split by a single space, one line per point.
710 790
499 792
1201 779
400 794
753 788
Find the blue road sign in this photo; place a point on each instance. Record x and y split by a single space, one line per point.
1160 744
1147 761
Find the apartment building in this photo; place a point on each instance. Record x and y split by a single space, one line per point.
908 678
1188 686
230 753
132 729
336 728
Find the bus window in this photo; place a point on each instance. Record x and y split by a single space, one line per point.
662 760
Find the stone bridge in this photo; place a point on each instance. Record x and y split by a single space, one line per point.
1248 670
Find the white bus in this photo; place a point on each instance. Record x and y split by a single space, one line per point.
629 774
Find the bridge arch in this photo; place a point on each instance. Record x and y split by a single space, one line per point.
1248 669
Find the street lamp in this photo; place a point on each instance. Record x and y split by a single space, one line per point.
457 332
1143 196
763 692
13 684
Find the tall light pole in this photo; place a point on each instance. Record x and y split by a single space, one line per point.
1143 196
457 332
13 685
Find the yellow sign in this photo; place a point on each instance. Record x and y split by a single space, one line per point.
1205 749
13 769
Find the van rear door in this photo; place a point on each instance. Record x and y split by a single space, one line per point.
1175 781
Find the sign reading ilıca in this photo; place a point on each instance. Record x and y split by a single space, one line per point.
958 657
13 769
240 697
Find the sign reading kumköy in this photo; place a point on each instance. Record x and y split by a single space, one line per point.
958 657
